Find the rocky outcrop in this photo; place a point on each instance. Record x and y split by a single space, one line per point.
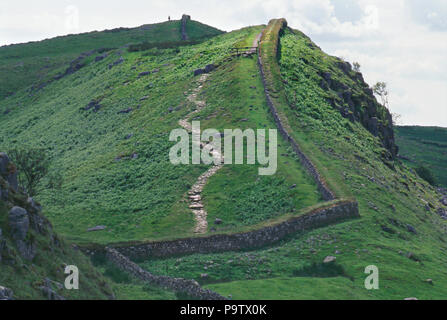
19 223
359 104
9 173
6 293
208 68
49 292
20 218
179 285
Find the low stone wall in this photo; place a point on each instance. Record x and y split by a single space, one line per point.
324 189
189 287
247 240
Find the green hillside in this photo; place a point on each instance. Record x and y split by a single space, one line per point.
128 184
31 65
105 128
396 232
425 146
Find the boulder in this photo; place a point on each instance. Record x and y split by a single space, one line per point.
97 228
5 293
218 221
411 229
198 72
329 259
19 223
145 73
444 201
209 68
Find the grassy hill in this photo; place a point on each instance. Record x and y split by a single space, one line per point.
396 232
425 146
115 167
106 131
36 63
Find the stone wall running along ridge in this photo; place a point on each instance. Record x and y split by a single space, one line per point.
324 189
185 19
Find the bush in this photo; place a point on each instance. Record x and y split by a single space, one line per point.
426 174
32 165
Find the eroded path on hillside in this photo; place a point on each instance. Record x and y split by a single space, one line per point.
195 193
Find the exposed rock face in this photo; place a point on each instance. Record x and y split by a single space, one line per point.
360 105
9 172
48 292
6 293
19 223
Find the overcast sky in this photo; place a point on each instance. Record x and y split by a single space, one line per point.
401 42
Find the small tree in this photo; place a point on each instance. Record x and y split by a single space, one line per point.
380 88
396 118
32 165
356 66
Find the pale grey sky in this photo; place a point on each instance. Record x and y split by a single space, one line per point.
401 42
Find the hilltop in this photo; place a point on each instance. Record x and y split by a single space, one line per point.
340 193
32 65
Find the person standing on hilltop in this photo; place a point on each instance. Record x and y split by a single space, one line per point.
169 18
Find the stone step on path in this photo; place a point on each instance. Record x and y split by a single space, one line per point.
195 193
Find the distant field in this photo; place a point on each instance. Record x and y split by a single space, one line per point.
426 146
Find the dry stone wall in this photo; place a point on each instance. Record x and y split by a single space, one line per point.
325 191
189 287
246 240
185 19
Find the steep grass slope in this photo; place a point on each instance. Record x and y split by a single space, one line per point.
425 146
35 63
400 230
107 134
106 130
